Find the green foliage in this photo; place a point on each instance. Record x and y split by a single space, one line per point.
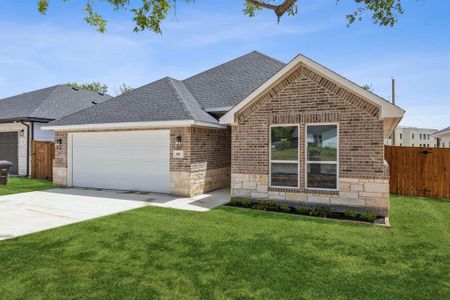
268 205
93 86
285 208
245 202
124 89
384 12
368 87
320 212
351 214
368 216
148 14
234 202
302 210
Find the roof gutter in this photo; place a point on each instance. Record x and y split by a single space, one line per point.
128 125
41 120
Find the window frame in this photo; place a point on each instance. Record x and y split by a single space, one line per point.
321 162
284 161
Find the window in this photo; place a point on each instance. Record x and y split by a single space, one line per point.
401 136
412 145
412 135
284 156
321 157
400 144
428 136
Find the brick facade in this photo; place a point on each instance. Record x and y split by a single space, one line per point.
304 97
204 167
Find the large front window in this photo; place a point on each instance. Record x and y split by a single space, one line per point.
322 157
284 156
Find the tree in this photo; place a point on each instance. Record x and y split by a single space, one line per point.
148 14
123 88
93 86
368 87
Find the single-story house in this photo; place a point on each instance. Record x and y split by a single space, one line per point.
296 133
22 116
443 137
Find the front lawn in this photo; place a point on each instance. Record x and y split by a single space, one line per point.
22 185
235 253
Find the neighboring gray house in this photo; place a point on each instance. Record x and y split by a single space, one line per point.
295 132
443 137
22 116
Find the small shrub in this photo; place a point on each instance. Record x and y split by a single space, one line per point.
368 216
234 202
285 208
302 210
267 205
245 202
320 212
351 214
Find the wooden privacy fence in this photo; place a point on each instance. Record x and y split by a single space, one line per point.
43 154
419 171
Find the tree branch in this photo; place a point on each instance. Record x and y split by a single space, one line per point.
279 10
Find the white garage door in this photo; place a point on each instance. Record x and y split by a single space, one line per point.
128 160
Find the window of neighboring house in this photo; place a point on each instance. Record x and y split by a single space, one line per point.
428 145
284 163
401 136
412 145
428 136
400 144
412 135
322 156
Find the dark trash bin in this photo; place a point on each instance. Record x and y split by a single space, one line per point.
5 166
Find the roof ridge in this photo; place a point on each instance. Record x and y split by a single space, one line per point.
230 61
183 102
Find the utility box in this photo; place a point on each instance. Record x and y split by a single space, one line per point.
5 166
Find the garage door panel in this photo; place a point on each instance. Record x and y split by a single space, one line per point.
9 149
122 160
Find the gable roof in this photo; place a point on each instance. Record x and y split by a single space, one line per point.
442 132
387 109
229 83
47 104
166 99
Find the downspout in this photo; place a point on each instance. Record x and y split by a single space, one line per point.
28 147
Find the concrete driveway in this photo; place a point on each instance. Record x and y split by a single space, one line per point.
26 213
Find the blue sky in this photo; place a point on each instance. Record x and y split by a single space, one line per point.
38 51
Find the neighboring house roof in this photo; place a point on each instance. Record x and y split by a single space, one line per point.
389 112
164 100
442 132
229 83
47 104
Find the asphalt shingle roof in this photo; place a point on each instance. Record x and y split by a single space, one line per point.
48 104
164 100
169 99
230 83
442 131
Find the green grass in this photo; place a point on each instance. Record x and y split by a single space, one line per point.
235 253
22 185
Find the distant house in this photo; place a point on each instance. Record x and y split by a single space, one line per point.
443 137
413 137
22 116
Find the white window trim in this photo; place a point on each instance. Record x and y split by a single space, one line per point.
284 161
322 162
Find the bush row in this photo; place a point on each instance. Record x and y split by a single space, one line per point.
323 212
